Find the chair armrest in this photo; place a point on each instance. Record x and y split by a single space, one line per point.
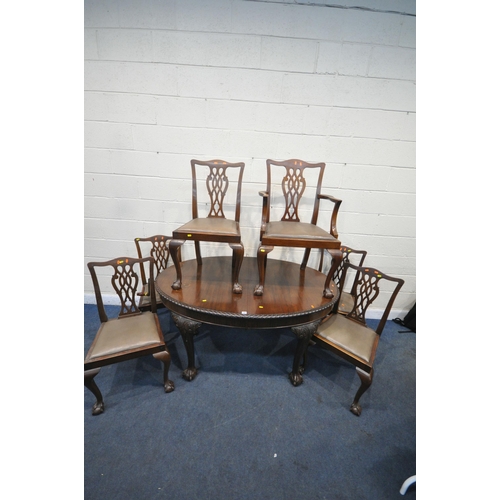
265 211
336 205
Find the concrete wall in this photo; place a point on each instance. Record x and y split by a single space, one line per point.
171 80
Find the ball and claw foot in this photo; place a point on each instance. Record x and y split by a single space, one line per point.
189 374
356 409
169 386
258 291
98 408
295 378
237 288
176 285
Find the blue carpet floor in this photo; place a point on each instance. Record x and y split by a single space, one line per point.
241 431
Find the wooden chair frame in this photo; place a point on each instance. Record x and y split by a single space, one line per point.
215 227
133 334
348 335
290 231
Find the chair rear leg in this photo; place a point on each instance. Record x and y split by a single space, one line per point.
366 381
90 384
164 357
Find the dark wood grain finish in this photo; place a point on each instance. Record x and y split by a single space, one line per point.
293 297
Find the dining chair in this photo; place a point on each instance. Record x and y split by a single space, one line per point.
290 231
348 336
157 248
215 227
132 334
346 300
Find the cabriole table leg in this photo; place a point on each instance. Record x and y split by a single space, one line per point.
304 333
188 329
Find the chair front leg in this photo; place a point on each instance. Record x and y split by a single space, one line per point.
90 384
174 249
261 264
366 381
238 252
164 357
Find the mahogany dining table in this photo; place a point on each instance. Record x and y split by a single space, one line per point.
293 299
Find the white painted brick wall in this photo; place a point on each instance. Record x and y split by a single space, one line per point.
171 80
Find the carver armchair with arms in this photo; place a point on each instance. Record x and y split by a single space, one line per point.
215 227
348 335
132 334
290 231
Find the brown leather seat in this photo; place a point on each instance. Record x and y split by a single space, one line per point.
308 233
354 338
215 227
132 334
200 227
348 335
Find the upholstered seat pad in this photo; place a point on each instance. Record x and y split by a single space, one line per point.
210 224
294 230
348 335
346 302
122 334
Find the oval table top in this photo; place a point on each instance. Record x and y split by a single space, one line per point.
292 296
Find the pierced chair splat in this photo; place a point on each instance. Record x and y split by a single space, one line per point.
346 301
132 334
348 335
290 231
157 248
215 227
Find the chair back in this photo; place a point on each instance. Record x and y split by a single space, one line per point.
347 252
293 185
158 249
366 289
124 280
217 182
